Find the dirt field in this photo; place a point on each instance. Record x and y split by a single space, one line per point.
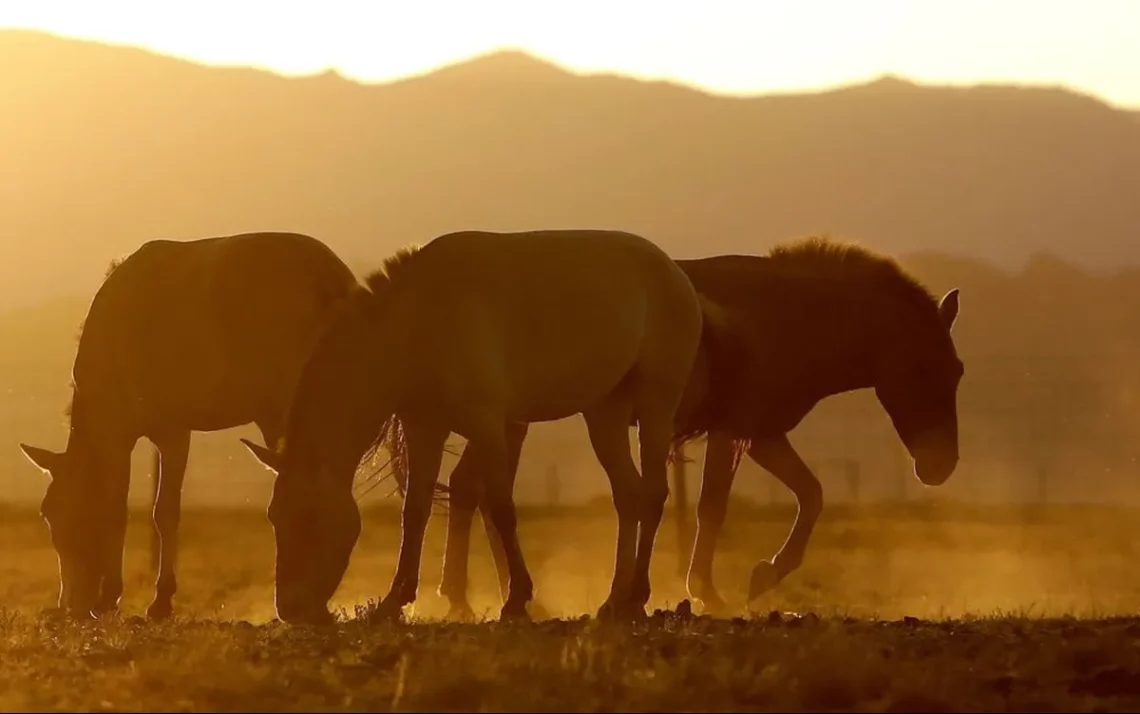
898 609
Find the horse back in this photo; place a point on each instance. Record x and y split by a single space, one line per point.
761 351
548 320
213 320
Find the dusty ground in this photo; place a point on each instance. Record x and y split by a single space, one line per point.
1016 610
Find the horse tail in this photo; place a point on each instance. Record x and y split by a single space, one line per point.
391 438
721 348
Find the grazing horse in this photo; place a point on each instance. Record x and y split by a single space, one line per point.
813 319
480 333
182 336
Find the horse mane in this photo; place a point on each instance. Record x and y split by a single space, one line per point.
380 281
111 267
848 259
391 434
115 263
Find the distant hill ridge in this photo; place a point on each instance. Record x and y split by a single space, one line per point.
105 147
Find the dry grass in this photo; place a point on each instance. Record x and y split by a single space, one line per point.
1019 611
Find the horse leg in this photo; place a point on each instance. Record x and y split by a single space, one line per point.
499 453
716 484
175 449
468 491
608 428
498 553
777 456
681 511
425 455
117 461
516 435
155 473
654 432
465 494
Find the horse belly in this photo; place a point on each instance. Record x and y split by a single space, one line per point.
554 373
204 398
188 376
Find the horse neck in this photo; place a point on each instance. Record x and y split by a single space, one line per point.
96 438
835 343
101 401
343 402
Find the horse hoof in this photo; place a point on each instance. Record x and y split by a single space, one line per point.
159 611
54 613
765 576
639 596
461 613
513 612
626 612
387 611
607 612
316 617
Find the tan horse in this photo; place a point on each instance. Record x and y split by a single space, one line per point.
813 319
479 333
199 335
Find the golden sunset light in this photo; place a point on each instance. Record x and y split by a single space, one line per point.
551 355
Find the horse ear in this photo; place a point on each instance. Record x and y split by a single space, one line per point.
267 457
948 308
44 459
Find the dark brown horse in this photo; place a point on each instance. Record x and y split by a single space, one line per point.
813 319
182 336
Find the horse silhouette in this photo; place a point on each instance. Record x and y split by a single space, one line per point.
182 336
815 318
481 333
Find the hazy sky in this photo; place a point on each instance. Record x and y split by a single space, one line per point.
722 45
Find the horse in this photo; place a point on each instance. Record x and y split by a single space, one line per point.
479 333
182 336
814 318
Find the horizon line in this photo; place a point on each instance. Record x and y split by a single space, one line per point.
559 66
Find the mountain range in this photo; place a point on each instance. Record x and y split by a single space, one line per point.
104 147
